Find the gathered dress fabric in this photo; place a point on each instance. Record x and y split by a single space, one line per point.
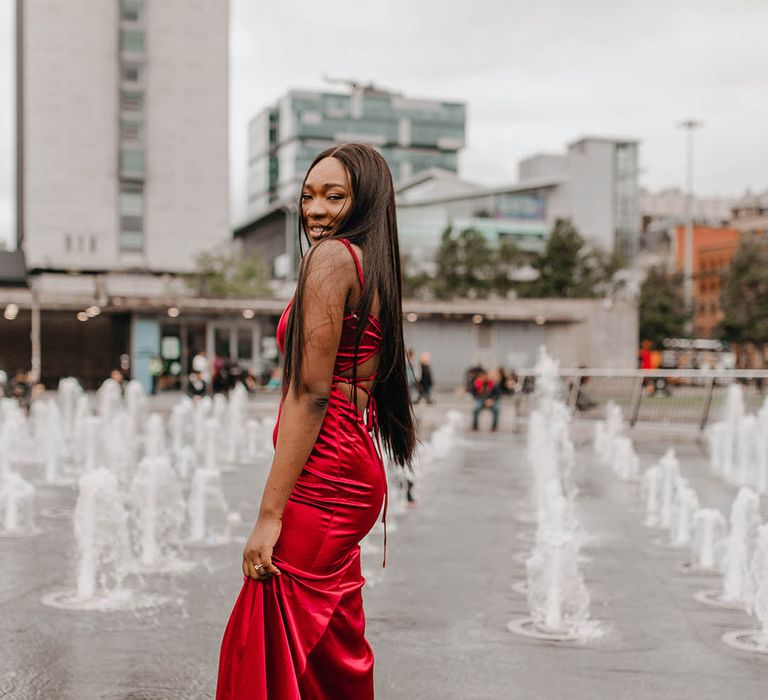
301 635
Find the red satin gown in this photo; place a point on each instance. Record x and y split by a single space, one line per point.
302 634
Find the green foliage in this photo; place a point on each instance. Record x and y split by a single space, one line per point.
224 273
662 307
466 265
568 269
416 283
744 295
508 258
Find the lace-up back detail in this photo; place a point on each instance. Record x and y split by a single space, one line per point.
370 343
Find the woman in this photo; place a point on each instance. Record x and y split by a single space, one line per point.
297 628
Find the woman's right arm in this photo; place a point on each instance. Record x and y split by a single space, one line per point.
330 276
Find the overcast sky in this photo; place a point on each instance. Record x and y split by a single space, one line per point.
534 76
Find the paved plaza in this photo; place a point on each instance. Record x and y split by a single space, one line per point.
437 615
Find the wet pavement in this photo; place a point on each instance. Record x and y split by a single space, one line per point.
437 615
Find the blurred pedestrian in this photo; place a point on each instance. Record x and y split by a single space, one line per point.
20 389
219 373
425 378
202 367
116 376
155 370
486 390
413 382
196 385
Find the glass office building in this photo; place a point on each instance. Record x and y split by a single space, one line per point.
412 134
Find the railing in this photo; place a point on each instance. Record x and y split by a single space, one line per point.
684 396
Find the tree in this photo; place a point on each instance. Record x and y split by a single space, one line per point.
567 268
416 283
662 307
465 264
509 258
744 295
226 273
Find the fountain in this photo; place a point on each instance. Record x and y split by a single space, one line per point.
154 445
761 450
181 417
607 431
746 441
723 434
207 509
558 599
136 405
686 503
254 440
185 460
120 447
157 513
109 399
68 394
14 424
52 439
77 439
235 422
625 461
709 531
652 492
211 442
17 505
91 434
220 405
670 473
104 551
737 584
756 640
202 412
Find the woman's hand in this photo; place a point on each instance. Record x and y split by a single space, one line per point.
257 555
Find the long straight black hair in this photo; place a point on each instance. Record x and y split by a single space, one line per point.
371 224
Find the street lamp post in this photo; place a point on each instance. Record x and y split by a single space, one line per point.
689 125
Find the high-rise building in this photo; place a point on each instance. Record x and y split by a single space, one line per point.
412 134
123 133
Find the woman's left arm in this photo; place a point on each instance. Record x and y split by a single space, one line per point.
330 274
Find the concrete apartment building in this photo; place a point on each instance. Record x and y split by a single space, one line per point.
413 134
122 181
124 133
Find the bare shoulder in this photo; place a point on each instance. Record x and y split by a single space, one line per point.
329 263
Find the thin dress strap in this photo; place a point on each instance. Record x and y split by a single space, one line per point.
355 258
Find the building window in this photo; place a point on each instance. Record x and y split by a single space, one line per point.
132 40
68 243
131 240
93 244
131 199
131 131
130 72
131 101
131 216
131 10
131 161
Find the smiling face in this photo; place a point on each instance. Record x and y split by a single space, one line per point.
325 199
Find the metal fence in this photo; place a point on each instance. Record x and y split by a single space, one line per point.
693 397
